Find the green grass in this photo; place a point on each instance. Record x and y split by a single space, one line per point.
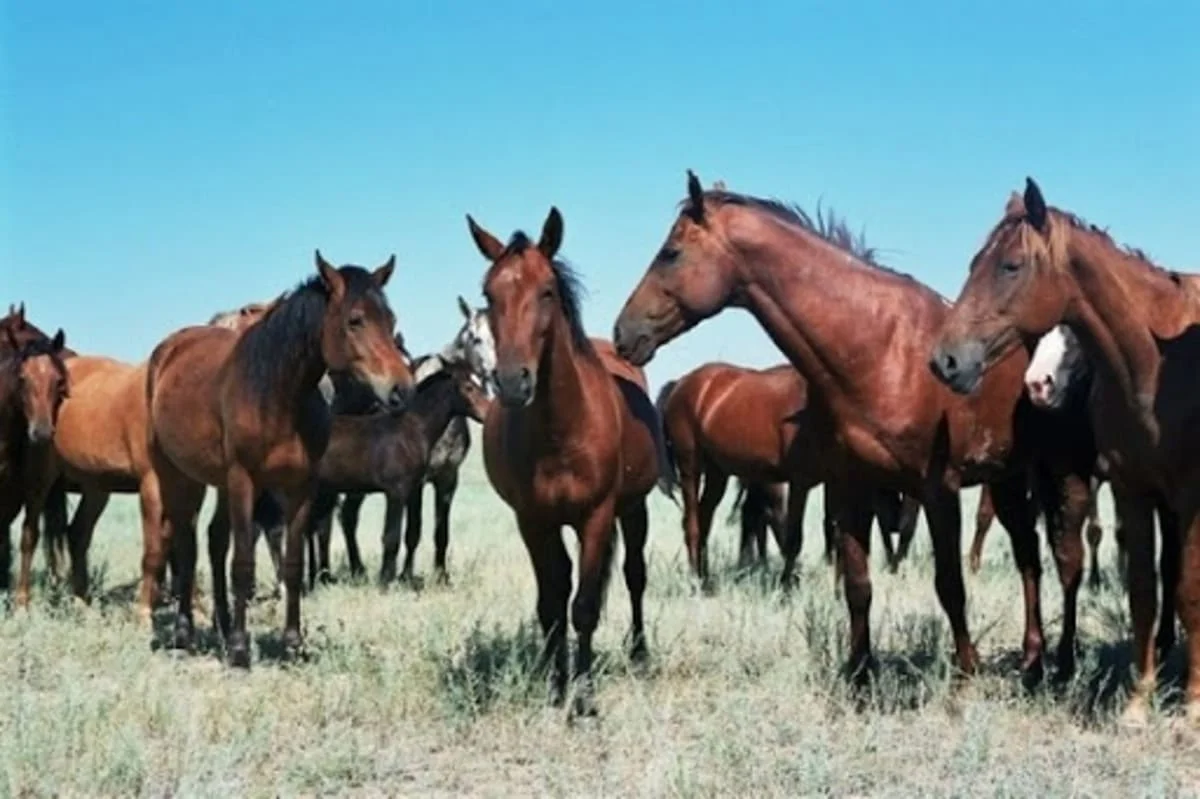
431 692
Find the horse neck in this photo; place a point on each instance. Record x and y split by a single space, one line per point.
557 408
431 412
833 315
1123 304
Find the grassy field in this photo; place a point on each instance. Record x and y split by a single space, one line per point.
429 692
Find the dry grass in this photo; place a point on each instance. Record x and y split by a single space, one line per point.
429 692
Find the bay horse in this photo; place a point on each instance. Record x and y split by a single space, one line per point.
33 385
860 333
392 453
573 440
475 346
243 412
1042 266
722 420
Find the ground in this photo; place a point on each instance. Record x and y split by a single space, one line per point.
429 692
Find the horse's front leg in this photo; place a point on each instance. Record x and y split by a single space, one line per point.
596 536
240 495
300 502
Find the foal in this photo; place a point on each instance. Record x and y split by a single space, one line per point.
243 412
568 443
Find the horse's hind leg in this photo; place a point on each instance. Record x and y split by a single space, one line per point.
1094 535
348 518
984 514
36 490
1168 574
851 506
793 538
268 517
1017 513
181 500
79 536
218 556
715 482
634 526
1065 501
444 489
155 547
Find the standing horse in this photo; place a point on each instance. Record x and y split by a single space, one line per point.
860 334
33 385
760 425
1139 325
475 346
572 441
243 412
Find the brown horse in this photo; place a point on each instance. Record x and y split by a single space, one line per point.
722 420
243 412
33 386
860 334
1138 324
573 440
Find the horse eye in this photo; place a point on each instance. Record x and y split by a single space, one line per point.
668 255
357 321
1010 267
547 295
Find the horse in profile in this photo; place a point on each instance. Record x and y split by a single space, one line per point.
1139 325
860 334
474 346
573 440
243 412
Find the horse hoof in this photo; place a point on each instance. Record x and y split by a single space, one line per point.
1136 714
974 564
293 643
239 651
182 638
584 705
639 652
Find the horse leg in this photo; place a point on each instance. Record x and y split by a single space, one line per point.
299 514
1186 568
552 570
752 522
829 527
392 519
1137 514
322 566
634 525
155 546
887 512
910 509
241 493
1094 534
851 507
348 518
54 514
1065 503
595 561
79 537
792 539
689 487
443 495
943 512
268 516
412 528
181 501
37 488
218 556
777 521
1016 512
715 483
984 514
1168 573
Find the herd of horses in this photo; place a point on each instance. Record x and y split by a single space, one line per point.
1067 361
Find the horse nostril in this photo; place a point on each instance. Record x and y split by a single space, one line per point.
396 398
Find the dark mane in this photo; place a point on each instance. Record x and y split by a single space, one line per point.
289 333
569 290
827 225
1079 223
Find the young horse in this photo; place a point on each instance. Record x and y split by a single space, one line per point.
761 425
243 412
473 345
1138 324
860 334
392 453
32 390
572 441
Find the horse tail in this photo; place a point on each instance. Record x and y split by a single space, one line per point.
668 471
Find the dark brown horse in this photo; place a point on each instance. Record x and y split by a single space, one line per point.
243 412
722 420
571 441
860 334
33 385
1138 324
390 453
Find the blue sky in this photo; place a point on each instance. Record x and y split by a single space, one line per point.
161 161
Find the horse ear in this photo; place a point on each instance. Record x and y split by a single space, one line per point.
552 234
464 307
695 207
21 314
488 245
384 273
330 276
1035 205
59 341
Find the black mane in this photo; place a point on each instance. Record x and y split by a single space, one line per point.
827 225
290 332
569 289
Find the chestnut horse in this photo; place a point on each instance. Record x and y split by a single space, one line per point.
573 440
1138 324
721 420
860 334
33 385
243 412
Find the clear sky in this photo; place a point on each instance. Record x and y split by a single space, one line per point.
165 160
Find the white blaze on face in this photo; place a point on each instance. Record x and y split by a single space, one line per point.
1046 376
